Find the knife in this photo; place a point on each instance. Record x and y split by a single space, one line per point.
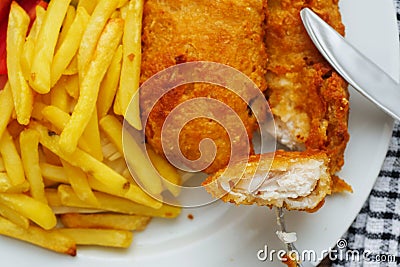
359 71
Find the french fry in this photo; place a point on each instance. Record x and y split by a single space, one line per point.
115 204
13 216
59 97
109 151
131 60
7 106
11 159
113 130
72 68
109 85
78 180
52 197
90 140
29 45
94 29
122 3
31 208
58 208
71 84
82 160
56 116
172 179
91 135
52 240
141 165
29 141
134 193
70 45
54 173
40 79
89 5
18 23
90 85
99 237
7 187
60 119
66 25
55 162
105 221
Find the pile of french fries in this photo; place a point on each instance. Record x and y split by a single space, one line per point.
63 178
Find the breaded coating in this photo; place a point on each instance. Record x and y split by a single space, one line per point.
307 97
230 32
295 180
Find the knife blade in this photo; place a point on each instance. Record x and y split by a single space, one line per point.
358 70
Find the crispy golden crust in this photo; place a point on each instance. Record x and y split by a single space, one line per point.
340 186
308 98
228 32
280 161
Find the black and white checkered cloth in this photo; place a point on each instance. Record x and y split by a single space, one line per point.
376 230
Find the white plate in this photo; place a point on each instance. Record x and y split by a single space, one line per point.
223 235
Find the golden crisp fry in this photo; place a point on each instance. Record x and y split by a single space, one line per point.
29 45
54 173
71 84
11 159
55 203
7 106
72 68
52 197
105 221
52 240
70 45
131 61
7 187
90 85
99 237
109 85
29 141
94 29
45 45
83 160
115 204
89 5
133 193
141 165
78 180
13 216
31 208
59 97
122 3
18 23
91 135
66 24
172 179
60 119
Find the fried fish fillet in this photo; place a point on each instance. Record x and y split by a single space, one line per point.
308 98
230 32
294 180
